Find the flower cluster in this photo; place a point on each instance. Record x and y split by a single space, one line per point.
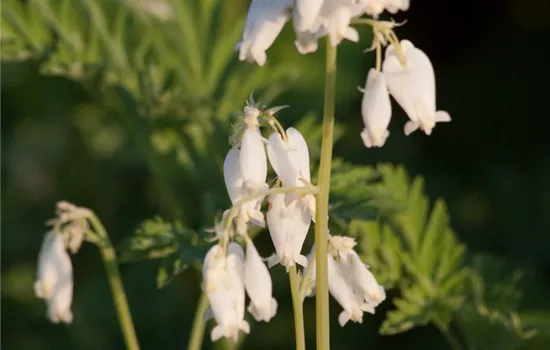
54 281
312 19
406 72
231 272
349 280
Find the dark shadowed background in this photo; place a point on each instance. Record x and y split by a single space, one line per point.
491 164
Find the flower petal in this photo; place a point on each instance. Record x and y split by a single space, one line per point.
376 110
253 161
258 285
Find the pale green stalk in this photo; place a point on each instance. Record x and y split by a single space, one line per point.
321 226
451 339
117 288
298 309
197 330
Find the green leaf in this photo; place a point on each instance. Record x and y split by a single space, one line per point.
487 319
175 264
154 239
407 244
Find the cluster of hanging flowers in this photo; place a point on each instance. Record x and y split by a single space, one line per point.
54 282
406 72
230 272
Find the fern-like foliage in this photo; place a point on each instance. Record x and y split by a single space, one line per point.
408 245
176 247
170 75
489 320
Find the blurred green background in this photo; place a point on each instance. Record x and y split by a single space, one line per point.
491 165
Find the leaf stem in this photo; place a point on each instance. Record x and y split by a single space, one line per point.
321 226
117 288
298 308
451 339
198 327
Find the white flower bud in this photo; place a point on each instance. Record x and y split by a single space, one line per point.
223 277
376 110
264 22
55 278
258 285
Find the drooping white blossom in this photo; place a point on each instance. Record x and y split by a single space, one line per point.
264 22
413 87
350 282
245 172
288 226
223 282
290 160
306 42
364 280
306 13
335 18
375 7
376 110
54 281
258 285
340 287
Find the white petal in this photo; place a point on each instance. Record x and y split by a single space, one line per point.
412 86
306 13
299 153
264 22
365 282
335 18
55 278
340 289
258 285
280 161
232 175
224 285
253 161
306 42
288 227
376 110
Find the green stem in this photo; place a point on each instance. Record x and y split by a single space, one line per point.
298 310
321 226
115 282
198 328
451 339
306 279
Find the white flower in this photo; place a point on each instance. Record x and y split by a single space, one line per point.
224 285
234 182
306 13
350 282
364 280
290 160
288 226
264 22
305 20
245 172
413 87
252 160
306 42
335 18
339 284
55 278
376 110
392 6
375 7
258 285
